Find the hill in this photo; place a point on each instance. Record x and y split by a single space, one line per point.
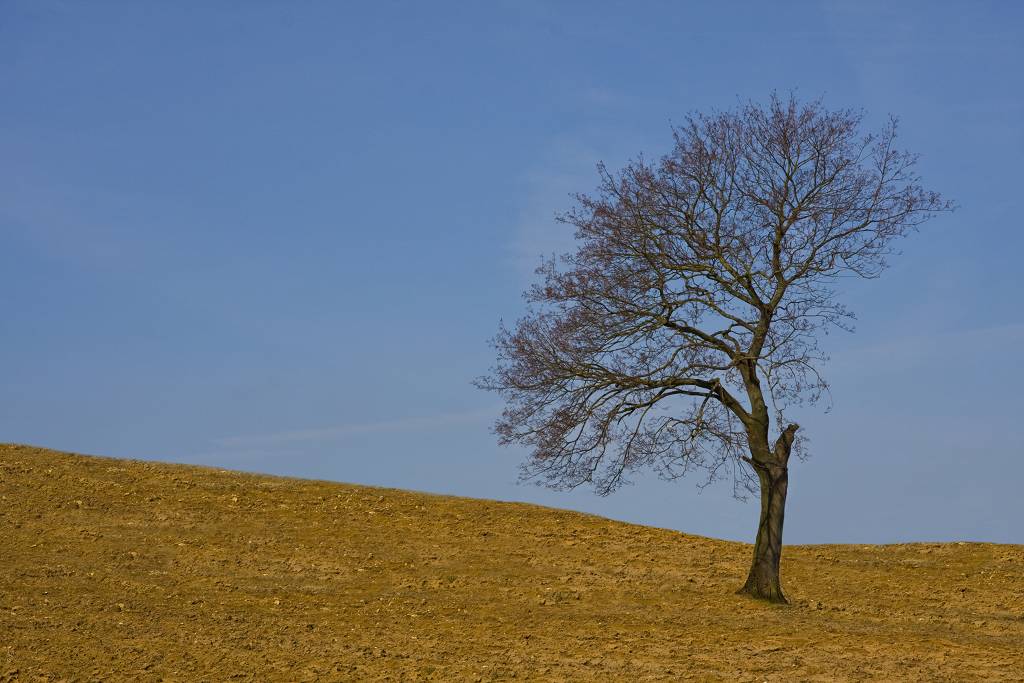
127 570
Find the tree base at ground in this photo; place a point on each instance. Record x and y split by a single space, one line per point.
769 590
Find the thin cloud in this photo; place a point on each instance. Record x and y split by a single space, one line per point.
333 433
537 234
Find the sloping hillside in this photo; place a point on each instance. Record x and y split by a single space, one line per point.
125 570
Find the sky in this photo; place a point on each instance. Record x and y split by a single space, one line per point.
277 237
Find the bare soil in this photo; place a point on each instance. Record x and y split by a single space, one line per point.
124 570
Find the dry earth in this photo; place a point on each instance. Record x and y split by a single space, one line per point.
126 570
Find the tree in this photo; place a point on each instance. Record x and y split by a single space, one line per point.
685 324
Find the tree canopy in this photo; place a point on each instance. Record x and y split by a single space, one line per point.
687 321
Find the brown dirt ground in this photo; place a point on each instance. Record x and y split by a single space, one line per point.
126 570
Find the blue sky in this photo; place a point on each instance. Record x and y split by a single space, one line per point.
277 236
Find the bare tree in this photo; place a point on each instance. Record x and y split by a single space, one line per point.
684 326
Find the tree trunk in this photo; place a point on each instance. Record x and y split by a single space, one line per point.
763 581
